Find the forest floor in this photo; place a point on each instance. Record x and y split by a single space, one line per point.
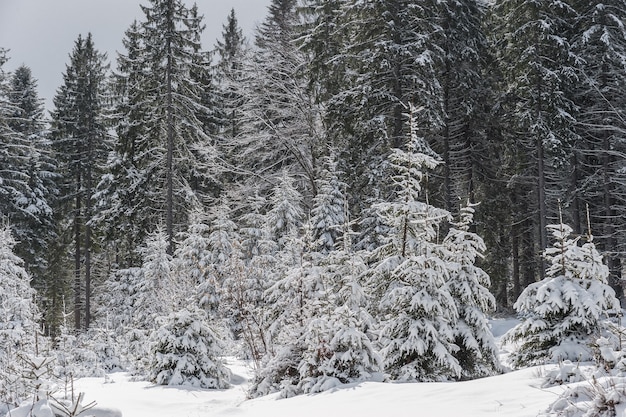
512 394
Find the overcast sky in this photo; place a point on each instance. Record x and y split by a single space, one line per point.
41 33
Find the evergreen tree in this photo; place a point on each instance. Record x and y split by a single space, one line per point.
232 50
338 340
410 274
391 55
14 182
33 224
327 214
32 217
165 109
285 215
125 194
192 264
469 287
157 283
80 142
597 158
538 72
18 329
292 301
461 140
564 314
185 351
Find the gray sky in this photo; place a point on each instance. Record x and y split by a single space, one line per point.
41 33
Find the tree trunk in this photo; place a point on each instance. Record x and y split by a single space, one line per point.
170 141
613 261
88 237
77 255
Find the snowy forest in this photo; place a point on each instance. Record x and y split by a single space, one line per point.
348 196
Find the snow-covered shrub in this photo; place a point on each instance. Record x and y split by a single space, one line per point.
337 352
278 372
593 398
567 372
90 354
184 350
137 352
564 314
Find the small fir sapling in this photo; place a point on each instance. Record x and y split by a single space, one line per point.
469 287
285 214
327 214
192 261
338 343
410 274
157 283
564 314
185 350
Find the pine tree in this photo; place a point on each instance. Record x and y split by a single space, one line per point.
469 287
80 140
565 313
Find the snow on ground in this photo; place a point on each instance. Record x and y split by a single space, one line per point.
514 394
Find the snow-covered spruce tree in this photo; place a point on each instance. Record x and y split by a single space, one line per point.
469 287
338 345
165 114
33 225
564 314
192 261
80 141
538 71
18 326
185 350
157 282
597 172
232 50
154 296
410 274
285 214
327 214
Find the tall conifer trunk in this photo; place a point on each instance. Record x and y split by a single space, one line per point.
77 255
170 133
